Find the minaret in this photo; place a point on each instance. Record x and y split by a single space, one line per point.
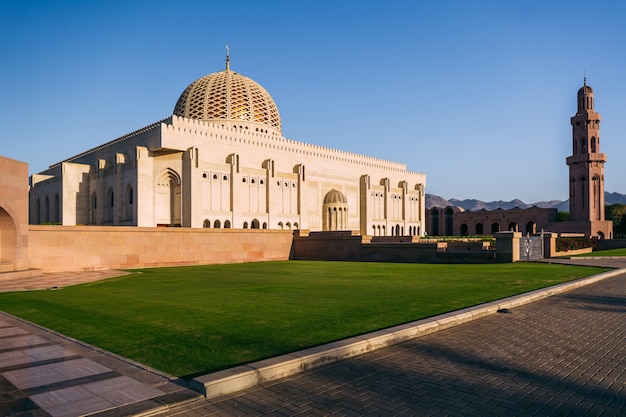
586 165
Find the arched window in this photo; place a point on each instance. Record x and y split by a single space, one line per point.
94 207
110 206
296 226
495 227
479 229
513 227
288 225
464 230
206 224
56 210
129 203
264 225
227 224
593 144
46 216
531 228
217 224
255 224
245 225
38 211
280 224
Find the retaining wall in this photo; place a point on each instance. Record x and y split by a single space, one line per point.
79 248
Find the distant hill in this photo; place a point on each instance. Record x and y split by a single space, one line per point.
614 198
475 205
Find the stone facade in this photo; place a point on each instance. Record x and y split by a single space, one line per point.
454 221
13 215
220 161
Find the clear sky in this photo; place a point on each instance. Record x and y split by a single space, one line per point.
475 94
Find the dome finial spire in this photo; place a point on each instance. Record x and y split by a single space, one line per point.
584 78
227 58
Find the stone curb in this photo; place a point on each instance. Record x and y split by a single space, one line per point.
265 371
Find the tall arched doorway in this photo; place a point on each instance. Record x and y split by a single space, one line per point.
449 221
434 221
8 241
168 199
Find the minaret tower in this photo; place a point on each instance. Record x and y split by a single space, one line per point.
586 165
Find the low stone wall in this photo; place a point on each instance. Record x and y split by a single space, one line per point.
572 252
79 248
350 246
606 244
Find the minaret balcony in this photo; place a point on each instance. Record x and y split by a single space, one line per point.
586 157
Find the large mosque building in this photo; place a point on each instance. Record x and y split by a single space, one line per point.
221 161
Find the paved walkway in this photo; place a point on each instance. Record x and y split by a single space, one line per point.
56 280
564 355
45 374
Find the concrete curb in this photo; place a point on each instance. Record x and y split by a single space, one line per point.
250 375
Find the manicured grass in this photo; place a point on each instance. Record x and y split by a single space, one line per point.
196 319
608 252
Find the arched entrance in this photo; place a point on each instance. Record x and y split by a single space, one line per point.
449 221
168 199
434 221
335 211
8 241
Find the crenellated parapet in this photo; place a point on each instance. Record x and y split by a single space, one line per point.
249 134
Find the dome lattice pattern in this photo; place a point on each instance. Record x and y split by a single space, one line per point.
227 95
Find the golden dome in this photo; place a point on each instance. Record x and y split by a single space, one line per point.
227 95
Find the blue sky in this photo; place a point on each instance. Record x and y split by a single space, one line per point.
475 94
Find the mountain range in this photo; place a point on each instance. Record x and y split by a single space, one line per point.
475 205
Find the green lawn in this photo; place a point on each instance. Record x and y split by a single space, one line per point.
192 320
608 252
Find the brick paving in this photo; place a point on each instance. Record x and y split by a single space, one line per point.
45 374
56 280
561 356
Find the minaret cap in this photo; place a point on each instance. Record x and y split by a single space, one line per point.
227 58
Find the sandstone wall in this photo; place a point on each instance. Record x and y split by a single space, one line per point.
13 215
78 248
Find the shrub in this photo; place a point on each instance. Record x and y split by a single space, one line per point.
564 244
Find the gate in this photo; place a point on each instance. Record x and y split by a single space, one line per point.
531 247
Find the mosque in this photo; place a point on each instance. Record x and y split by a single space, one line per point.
221 161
